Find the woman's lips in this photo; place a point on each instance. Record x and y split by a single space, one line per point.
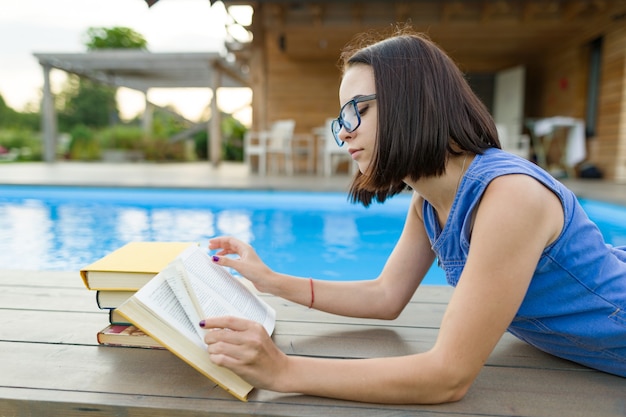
354 152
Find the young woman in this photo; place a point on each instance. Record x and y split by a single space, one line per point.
520 251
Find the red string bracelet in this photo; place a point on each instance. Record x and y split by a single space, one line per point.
312 293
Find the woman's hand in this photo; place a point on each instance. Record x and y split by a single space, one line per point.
244 347
248 264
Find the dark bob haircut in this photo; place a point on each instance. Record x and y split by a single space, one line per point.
426 112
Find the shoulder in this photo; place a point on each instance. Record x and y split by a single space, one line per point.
523 199
520 187
495 162
496 172
417 205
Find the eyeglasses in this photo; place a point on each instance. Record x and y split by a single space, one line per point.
349 117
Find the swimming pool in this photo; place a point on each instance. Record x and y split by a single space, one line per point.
301 233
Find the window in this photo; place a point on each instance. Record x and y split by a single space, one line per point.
593 86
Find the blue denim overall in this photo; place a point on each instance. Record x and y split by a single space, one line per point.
575 307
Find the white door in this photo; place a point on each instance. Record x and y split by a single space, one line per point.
508 106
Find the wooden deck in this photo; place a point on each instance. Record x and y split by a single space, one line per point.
51 365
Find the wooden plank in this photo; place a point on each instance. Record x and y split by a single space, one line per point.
415 314
57 279
78 300
53 327
146 374
65 292
65 279
299 330
51 364
48 298
51 403
294 338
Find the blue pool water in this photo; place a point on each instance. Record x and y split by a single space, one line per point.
305 234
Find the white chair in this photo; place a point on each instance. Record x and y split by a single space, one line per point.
275 142
331 154
303 148
517 144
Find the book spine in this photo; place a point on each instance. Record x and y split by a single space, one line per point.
117 319
121 296
100 306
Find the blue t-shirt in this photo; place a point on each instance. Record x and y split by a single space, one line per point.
575 307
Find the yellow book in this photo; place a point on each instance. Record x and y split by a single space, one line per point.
131 266
169 309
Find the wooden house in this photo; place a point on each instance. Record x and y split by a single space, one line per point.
531 59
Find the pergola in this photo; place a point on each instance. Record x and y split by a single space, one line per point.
141 70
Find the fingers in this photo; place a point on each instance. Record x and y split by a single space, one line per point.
232 340
218 242
227 244
221 260
244 347
248 264
227 322
234 332
221 243
227 262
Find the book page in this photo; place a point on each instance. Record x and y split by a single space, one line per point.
158 296
177 280
221 294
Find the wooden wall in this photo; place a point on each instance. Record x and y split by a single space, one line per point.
557 86
295 52
304 90
288 86
609 148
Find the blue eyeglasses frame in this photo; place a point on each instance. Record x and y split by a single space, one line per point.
340 123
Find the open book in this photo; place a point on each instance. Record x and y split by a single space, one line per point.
170 306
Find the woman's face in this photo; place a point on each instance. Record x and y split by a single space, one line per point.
358 80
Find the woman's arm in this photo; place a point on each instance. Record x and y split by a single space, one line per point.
516 220
383 298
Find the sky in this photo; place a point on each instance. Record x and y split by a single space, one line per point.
60 26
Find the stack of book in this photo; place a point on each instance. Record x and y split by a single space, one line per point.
117 276
157 293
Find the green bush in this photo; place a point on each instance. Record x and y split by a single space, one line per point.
132 138
89 144
232 140
83 144
233 131
121 137
24 143
160 149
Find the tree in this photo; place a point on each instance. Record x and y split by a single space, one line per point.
12 119
116 37
86 102
6 113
